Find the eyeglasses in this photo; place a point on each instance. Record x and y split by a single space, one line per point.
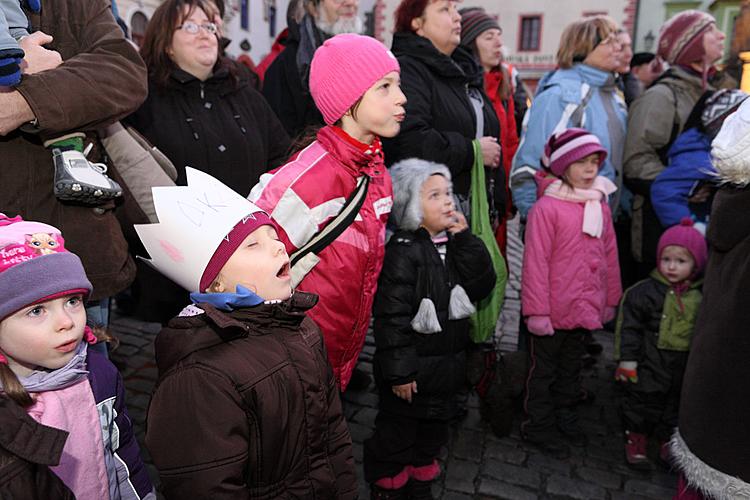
193 28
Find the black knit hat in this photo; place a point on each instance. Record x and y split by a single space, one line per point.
640 58
474 22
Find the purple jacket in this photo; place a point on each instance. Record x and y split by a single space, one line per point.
568 275
128 477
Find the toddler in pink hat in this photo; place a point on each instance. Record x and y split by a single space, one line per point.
653 336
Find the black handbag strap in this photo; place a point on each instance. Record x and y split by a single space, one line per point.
337 225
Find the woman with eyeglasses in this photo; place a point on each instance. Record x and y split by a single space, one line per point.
201 112
581 93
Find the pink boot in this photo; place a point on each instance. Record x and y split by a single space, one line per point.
390 488
424 472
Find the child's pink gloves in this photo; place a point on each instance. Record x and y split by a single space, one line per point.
627 371
609 314
540 325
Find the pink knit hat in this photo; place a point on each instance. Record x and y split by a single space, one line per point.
35 265
343 69
230 244
681 37
685 235
569 146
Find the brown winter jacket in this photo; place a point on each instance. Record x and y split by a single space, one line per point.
101 80
247 407
27 449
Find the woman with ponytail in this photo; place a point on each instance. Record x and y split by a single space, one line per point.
46 369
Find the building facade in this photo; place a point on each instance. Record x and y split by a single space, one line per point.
531 29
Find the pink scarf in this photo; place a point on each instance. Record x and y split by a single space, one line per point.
593 221
73 409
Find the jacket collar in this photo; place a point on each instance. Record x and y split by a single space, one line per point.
594 76
174 344
351 156
657 276
28 439
460 65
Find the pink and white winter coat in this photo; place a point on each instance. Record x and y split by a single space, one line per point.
301 197
568 275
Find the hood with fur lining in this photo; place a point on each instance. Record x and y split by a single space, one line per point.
408 176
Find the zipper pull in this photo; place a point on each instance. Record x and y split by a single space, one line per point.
203 96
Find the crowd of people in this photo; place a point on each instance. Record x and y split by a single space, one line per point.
281 211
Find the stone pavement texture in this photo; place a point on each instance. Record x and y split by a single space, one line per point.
476 464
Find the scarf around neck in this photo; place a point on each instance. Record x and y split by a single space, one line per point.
46 380
593 221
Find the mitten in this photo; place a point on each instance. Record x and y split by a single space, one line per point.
10 67
540 325
627 371
609 314
35 5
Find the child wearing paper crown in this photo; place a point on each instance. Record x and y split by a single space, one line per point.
654 330
434 268
570 282
47 369
246 405
354 81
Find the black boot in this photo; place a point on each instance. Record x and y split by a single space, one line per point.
420 490
378 493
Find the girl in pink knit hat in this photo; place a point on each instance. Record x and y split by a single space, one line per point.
354 81
570 283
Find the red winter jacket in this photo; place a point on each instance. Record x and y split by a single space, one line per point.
302 196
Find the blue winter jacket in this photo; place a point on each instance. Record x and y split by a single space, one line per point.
550 112
689 165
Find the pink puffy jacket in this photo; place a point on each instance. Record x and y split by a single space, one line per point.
301 197
567 274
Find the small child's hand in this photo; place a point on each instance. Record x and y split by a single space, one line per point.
460 223
627 371
405 391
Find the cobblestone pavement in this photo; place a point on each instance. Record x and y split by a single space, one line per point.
476 464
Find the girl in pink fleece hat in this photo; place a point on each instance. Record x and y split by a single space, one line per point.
570 282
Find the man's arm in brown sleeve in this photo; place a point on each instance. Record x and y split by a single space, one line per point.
104 82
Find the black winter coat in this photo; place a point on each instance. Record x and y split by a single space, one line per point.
440 123
715 400
639 322
221 126
413 270
285 91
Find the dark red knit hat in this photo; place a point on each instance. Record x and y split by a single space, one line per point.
681 37
230 243
686 236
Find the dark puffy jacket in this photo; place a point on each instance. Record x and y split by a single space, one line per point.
285 91
413 270
221 126
440 123
246 406
27 449
654 330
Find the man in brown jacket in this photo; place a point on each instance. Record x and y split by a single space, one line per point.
100 80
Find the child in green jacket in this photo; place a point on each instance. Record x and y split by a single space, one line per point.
654 330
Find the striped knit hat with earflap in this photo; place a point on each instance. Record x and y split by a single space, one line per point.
569 146
681 37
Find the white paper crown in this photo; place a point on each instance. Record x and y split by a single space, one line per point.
193 220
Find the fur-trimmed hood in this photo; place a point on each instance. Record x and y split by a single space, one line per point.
408 176
731 148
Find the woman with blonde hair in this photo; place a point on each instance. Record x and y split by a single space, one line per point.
582 93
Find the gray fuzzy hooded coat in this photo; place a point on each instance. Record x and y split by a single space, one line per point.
421 325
